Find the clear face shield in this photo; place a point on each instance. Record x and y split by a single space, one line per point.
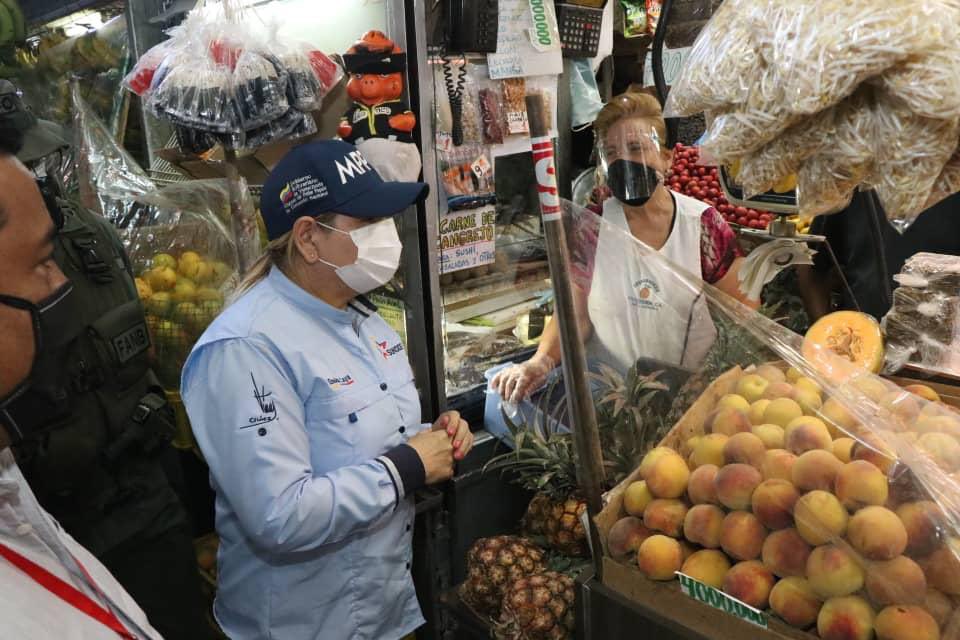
631 160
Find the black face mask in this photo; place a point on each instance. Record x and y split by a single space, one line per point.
632 183
49 318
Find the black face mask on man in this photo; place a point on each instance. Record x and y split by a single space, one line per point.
49 319
632 183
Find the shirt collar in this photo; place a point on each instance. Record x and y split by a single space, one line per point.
303 299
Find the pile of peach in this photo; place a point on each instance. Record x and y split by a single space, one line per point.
777 506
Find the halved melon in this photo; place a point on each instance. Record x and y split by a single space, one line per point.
843 343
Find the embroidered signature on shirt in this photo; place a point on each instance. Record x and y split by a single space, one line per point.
268 409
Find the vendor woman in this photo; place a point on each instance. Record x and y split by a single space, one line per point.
304 406
635 308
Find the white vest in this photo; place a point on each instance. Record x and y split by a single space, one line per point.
642 306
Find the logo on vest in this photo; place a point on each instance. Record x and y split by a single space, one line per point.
131 343
389 352
339 383
647 295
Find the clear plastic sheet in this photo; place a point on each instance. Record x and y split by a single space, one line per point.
782 456
219 76
186 266
771 74
923 326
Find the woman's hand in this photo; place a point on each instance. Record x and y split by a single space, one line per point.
458 431
436 454
519 381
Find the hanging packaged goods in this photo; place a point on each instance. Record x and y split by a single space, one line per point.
217 80
845 95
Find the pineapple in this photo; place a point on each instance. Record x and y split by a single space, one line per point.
543 463
537 607
492 565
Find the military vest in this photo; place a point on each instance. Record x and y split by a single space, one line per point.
96 425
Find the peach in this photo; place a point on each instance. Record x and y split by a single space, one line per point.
843 448
943 449
709 450
636 497
773 502
651 457
820 517
816 469
942 567
751 387
734 401
782 412
701 489
838 419
626 535
735 484
728 421
873 387
845 618
903 406
808 400
860 484
951 631
771 373
923 391
745 448
808 384
877 533
906 622
785 553
806 434
667 477
872 449
897 581
708 566
742 535
757 409
686 549
770 435
938 605
665 516
778 463
659 557
691 444
923 521
833 572
794 600
777 390
749 582
703 525
938 424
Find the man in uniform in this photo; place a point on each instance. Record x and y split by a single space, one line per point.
96 449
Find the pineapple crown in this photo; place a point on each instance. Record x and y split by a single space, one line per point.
544 458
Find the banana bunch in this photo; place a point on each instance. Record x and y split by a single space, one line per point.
13 26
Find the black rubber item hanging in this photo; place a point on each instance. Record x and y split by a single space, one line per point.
454 88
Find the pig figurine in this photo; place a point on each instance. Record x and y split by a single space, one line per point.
375 65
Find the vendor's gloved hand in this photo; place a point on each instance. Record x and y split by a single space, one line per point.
519 381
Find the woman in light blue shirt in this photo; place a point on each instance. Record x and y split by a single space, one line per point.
304 405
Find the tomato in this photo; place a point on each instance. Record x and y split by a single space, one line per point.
741 212
752 214
742 221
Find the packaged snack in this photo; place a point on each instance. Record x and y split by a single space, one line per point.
514 105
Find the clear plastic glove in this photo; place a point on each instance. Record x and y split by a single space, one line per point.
519 381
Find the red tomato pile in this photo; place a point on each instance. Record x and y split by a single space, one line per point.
701 182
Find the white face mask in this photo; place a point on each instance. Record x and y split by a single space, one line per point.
378 256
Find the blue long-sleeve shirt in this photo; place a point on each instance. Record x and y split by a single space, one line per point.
302 411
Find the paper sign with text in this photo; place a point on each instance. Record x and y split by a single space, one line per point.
468 239
516 54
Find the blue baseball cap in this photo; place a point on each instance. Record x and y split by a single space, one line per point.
330 176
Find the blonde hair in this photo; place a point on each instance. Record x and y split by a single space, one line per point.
633 103
279 253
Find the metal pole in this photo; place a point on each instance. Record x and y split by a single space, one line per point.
586 437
